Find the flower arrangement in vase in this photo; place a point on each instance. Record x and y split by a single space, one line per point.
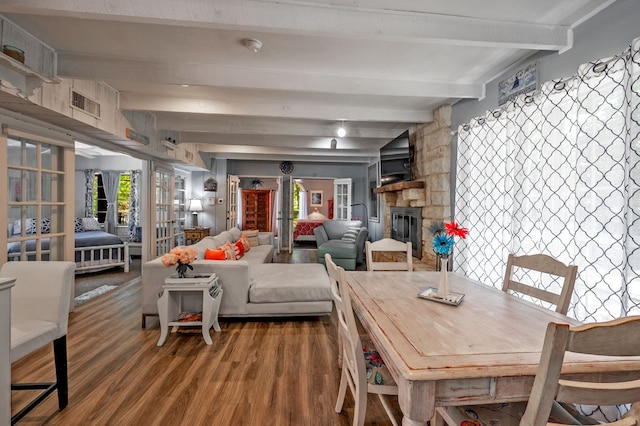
443 240
181 256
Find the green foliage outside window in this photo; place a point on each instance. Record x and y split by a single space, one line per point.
296 202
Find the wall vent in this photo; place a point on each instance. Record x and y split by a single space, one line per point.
81 102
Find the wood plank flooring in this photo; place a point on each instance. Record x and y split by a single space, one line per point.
266 372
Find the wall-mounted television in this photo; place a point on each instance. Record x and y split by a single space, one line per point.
395 160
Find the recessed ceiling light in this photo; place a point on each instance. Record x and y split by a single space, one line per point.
184 85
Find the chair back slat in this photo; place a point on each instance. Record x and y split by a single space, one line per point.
545 265
599 339
389 245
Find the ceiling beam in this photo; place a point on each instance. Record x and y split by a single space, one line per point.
372 24
280 153
73 65
190 124
138 102
284 142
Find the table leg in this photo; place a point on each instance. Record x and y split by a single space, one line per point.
163 315
417 402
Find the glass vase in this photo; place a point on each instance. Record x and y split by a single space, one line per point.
443 285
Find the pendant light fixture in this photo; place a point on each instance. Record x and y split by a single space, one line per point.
341 130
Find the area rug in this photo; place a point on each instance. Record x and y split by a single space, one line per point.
92 293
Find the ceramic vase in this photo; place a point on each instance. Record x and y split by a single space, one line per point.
443 286
182 269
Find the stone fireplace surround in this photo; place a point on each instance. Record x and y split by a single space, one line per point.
430 189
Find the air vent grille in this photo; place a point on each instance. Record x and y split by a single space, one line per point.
85 104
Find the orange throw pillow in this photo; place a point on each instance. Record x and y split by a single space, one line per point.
211 254
238 247
245 243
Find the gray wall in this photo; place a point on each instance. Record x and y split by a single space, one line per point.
606 34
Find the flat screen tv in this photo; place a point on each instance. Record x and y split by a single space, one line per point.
395 160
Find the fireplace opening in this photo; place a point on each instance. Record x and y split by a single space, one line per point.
406 225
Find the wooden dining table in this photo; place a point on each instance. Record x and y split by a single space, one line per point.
485 350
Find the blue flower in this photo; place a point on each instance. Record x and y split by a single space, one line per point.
442 244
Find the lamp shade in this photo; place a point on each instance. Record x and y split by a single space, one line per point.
195 205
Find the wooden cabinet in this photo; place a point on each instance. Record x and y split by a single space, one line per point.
256 209
193 235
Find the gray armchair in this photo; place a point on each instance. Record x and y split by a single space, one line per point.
343 240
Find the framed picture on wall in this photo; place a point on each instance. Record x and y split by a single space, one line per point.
316 198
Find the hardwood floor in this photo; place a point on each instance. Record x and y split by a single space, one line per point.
267 372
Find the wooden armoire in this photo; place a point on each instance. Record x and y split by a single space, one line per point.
256 209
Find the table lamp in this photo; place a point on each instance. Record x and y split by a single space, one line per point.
195 206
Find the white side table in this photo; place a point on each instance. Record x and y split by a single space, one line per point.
170 304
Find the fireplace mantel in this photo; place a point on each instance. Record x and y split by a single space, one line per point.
399 186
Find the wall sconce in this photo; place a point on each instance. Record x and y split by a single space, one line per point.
195 206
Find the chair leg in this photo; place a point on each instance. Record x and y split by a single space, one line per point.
60 355
342 392
61 384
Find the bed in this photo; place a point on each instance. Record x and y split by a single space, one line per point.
95 249
304 230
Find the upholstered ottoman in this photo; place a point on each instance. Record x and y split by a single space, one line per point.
343 253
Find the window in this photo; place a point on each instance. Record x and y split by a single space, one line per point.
100 199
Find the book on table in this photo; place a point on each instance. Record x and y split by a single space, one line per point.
188 316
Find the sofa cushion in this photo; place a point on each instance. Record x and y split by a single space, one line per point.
251 236
278 283
338 249
351 235
336 228
203 244
228 236
236 233
258 255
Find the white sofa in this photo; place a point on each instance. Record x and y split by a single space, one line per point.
253 286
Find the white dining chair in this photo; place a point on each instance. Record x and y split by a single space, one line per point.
544 265
363 371
618 338
395 247
39 315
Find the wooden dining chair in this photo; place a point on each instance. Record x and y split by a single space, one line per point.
619 338
545 265
363 370
39 316
389 245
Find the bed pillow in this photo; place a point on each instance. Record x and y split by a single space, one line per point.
77 225
90 224
46 226
30 226
214 254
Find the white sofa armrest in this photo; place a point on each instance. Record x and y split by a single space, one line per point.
265 238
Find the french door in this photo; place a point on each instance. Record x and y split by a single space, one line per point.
342 199
39 192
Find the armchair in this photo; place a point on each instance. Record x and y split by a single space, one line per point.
343 240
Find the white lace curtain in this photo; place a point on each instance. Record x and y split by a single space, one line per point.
558 172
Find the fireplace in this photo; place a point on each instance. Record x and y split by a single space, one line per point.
406 225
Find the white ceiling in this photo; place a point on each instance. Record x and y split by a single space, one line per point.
377 65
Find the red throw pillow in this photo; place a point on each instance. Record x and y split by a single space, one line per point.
239 249
211 254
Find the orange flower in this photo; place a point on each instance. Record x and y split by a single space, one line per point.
454 229
182 255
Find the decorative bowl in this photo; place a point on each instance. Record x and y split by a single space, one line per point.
14 52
